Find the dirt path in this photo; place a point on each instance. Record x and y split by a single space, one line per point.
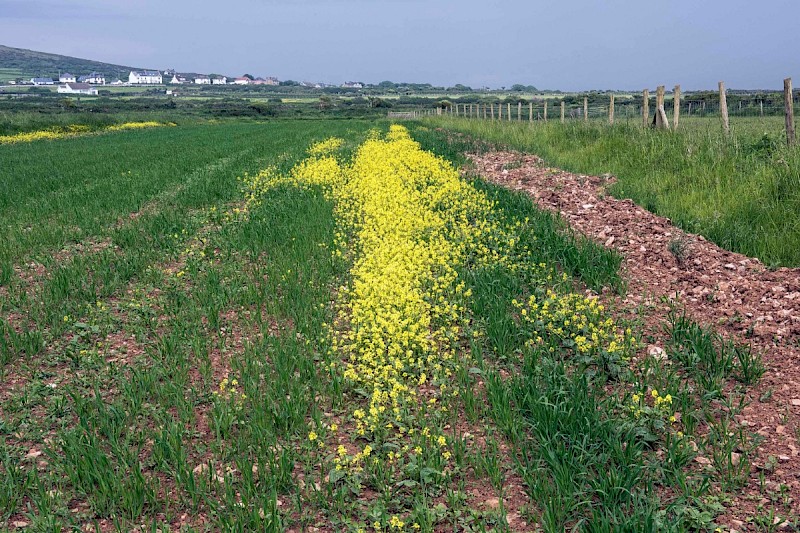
735 294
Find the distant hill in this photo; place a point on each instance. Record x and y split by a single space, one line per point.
18 62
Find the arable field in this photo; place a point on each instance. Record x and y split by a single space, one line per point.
321 325
741 191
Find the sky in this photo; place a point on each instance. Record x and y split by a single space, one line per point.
571 45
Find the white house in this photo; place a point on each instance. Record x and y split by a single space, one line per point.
219 80
178 79
95 78
353 85
77 88
272 80
42 81
66 78
149 77
202 79
241 81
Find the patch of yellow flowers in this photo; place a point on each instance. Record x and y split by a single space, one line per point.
74 130
574 321
410 224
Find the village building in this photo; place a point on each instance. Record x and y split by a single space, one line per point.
202 79
272 80
77 88
219 80
66 78
95 78
178 79
353 85
241 81
42 81
145 77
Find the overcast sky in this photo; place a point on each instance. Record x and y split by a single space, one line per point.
566 44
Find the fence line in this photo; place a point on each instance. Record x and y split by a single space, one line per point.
697 104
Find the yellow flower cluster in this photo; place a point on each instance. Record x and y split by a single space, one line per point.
229 390
575 321
661 406
73 130
326 147
137 125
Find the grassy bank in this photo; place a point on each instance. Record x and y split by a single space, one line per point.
741 192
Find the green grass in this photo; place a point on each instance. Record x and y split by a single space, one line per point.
742 192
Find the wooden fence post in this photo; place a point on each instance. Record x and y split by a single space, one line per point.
660 114
491 110
611 110
723 108
562 111
646 107
530 111
788 99
508 108
761 108
676 105
545 110
519 111
500 111
585 109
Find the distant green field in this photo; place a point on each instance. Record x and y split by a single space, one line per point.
7 74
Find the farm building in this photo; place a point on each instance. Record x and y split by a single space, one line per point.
219 80
42 81
150 77
77 88
66 78
178 79
202 79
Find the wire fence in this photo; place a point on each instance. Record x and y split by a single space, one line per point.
659 110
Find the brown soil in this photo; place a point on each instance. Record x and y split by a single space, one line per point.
735 294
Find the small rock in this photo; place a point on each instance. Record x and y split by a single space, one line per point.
656 352
796 402
780 429
20 524
610 241
33 453
783 458
730 266
702 460
492 503
736 458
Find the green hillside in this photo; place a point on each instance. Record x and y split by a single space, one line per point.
21 63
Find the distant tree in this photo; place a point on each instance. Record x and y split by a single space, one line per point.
290 83
379 102
249 76
387 85
325 102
